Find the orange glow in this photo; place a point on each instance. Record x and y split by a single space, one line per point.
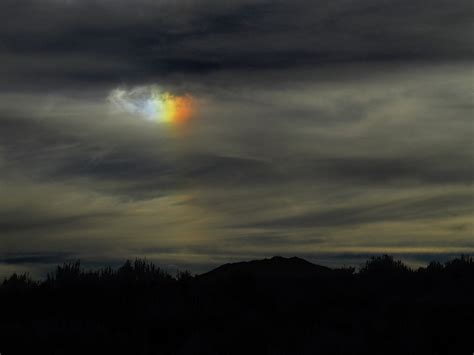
184 107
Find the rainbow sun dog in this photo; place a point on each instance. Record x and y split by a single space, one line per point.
153 104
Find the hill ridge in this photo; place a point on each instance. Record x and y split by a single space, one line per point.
274 266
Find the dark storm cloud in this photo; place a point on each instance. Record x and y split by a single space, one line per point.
100 40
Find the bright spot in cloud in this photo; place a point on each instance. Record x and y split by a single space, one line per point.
153 104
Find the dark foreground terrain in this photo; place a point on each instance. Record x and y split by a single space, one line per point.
271 306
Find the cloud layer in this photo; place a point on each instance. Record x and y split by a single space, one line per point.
325 129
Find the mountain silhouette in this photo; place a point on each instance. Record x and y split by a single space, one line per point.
275 267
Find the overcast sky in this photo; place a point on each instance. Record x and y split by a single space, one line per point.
331 130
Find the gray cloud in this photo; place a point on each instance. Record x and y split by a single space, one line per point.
34 258
103 41
427 208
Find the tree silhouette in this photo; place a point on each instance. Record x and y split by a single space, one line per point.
384 265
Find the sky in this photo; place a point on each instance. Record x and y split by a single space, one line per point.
195 133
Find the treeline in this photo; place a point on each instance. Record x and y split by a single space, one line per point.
273 306
72 274
145 273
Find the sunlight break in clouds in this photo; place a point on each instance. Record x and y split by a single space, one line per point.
153 104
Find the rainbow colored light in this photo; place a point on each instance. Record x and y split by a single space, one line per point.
153 104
